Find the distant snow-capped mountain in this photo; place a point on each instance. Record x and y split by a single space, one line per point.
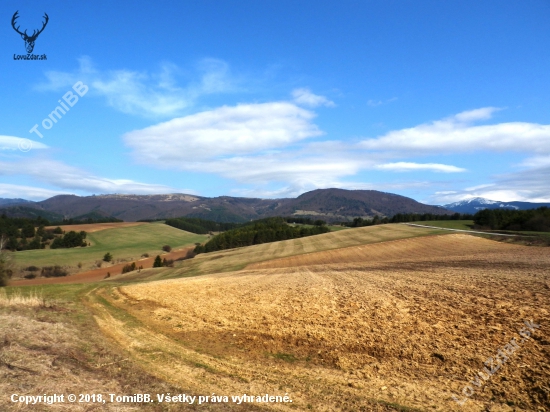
479 203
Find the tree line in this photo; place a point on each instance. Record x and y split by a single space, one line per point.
267 230
200 226
405 217
203 226
536 220
22 234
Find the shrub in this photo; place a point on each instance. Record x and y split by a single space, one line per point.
32 269
167 248
145 255
58 231
107 257
5 272
53 271
190 254
71 239
129 268
30 276
168 262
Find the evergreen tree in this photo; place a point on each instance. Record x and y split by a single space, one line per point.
158 262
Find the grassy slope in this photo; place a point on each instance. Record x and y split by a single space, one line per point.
123 243
236 259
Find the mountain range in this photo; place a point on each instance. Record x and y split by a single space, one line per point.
479 203
10 202
326 204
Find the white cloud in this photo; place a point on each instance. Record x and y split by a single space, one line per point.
226 131
19 143
8 190
70 178
536 162
146 94
409 167
529 185
468 116
305 97
456 134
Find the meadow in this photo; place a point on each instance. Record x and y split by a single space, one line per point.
125 243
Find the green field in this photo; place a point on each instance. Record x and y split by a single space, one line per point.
334 228
125 244
448 224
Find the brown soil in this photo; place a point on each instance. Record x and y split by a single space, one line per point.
409 323
97 275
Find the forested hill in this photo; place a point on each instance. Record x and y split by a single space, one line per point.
325 204
200 226
261 231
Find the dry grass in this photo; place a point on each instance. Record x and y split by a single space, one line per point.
17 299
58 349
37 357
402 326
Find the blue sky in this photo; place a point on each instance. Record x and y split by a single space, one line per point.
436 100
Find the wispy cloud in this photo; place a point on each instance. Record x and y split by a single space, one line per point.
19 143
408 167
305 97
457 134
529 185
147 94
269 144
27 192
73 179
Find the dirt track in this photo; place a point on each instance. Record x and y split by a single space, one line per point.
412 330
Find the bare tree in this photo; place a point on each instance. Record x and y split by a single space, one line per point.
5 271
3 241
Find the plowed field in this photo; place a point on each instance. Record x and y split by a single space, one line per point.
398 250
401 323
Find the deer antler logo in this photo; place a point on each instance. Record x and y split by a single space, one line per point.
29 40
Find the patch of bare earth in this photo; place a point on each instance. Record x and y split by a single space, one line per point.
409 325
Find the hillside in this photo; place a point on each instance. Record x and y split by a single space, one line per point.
408 325
328 204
